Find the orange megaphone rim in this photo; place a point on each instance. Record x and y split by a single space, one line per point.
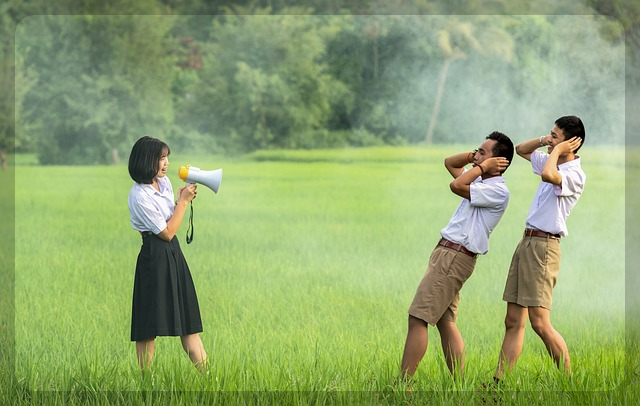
183 172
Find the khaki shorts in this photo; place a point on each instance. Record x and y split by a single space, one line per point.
438 293
533 272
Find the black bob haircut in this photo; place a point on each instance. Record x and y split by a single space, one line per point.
144 160
503 146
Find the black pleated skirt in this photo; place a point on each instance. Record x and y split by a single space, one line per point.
164 297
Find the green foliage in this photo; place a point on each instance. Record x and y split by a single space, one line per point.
238 77
100 82
265 82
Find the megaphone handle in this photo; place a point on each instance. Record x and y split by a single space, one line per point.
190 228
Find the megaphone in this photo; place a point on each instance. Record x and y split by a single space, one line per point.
210 179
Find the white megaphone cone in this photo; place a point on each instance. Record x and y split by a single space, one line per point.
210 179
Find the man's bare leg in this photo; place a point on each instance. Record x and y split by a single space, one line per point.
514 322
452 346
415 346
540 319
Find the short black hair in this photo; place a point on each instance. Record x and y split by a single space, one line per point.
144 160
571 126
503 146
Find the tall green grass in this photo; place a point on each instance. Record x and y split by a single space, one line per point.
7 324
305 264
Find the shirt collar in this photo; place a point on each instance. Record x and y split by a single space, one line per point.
148 187
569 164
493 179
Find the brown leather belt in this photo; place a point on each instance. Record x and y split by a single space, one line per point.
457 247
529 232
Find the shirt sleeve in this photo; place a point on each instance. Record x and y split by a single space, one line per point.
145 210
572 183
488 195
538 159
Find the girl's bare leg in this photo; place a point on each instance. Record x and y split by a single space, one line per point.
193 346
144 351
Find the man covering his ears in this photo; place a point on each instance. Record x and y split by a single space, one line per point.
484 200
536 262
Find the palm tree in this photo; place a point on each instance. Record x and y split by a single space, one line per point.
456 41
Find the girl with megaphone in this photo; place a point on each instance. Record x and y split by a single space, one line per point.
164 296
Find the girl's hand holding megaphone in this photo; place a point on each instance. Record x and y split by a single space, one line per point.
188 192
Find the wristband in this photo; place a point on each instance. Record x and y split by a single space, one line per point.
481 167
540 140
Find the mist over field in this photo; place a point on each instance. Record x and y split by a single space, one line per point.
573 72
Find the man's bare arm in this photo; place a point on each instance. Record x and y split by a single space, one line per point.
455 163
462 184
526 148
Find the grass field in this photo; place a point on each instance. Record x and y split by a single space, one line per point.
305 264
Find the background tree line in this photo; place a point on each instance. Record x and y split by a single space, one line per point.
232 77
